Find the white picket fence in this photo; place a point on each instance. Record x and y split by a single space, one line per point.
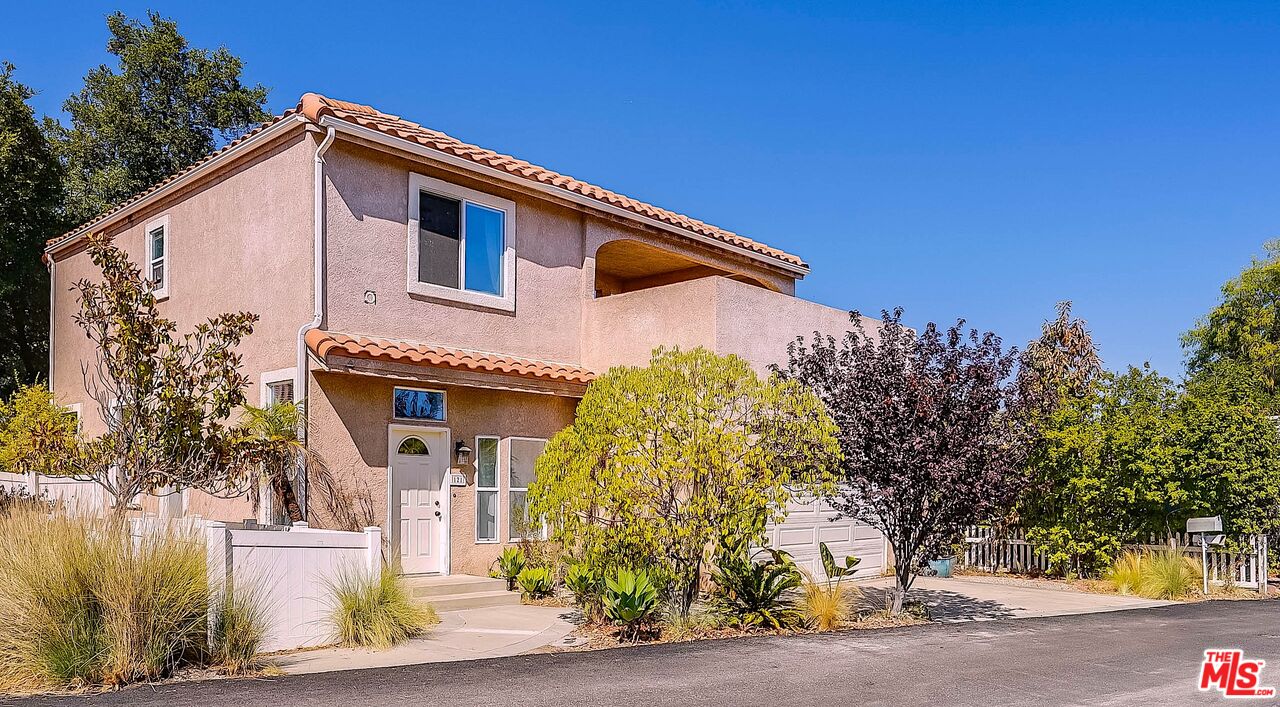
1010 551
290 569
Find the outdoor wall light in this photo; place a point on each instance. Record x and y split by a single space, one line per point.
461 453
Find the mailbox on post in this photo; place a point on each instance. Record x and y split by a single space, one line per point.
1210 531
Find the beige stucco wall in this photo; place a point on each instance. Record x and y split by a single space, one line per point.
354 414
720 314
241 242
367 207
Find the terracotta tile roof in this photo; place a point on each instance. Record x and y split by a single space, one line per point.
325 343
315 106
124 205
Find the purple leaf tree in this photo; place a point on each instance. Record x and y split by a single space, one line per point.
935 429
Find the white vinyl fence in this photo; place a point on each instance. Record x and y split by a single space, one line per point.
290 569
80 495
1008 550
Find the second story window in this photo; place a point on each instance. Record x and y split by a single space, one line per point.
157 256
461 244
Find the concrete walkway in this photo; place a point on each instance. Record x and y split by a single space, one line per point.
469 634
959 599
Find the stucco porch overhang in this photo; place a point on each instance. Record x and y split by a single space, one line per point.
429 363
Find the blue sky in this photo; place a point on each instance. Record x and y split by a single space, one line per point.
976 159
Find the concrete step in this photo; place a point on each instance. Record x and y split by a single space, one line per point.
426 587
473 600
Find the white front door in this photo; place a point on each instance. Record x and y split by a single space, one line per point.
419 499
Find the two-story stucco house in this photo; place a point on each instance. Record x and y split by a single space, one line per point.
441 307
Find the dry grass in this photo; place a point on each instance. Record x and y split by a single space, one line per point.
82 604
1161 574
239 632
377 612
827 606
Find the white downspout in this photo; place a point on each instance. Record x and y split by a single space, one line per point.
301 378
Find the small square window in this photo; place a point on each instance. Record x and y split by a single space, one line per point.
280 392
157 253
417 404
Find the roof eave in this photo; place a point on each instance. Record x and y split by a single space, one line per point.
378 137
213 164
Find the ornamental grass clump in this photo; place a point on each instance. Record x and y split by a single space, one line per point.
376 611
82 603
239 631
1161 574
1169 574
1126 573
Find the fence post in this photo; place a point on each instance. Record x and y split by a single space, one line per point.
1264 565
373 550
218 571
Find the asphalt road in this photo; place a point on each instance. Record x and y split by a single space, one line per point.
1138 657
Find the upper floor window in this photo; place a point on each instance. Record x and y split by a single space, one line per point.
461 244
157 253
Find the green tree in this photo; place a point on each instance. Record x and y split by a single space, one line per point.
163 398
36 433
30 200
666 462
165 107
1105 473
1137 456
1244 327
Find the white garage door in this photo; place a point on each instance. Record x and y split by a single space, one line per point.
812 522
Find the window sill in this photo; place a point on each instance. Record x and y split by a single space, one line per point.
448 295
160 295
488 542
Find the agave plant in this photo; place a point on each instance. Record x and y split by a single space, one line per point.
537 582
510 565
587 586
630 600
755 594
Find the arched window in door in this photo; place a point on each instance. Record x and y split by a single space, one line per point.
413 446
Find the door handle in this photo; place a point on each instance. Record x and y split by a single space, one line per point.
437 514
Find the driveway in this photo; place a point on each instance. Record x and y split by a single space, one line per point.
965 599
1141 657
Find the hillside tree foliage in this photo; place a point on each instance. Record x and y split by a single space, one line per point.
30 212
164 106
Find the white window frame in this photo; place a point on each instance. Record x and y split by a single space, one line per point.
161 224
496 490
444 405
504 451
507 300
280 375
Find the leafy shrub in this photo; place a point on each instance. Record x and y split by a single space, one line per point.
82 604
754 594
239 631
537 582
630 600
510 564
833 570
1126 573
376 611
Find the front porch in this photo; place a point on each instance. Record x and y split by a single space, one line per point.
436 444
